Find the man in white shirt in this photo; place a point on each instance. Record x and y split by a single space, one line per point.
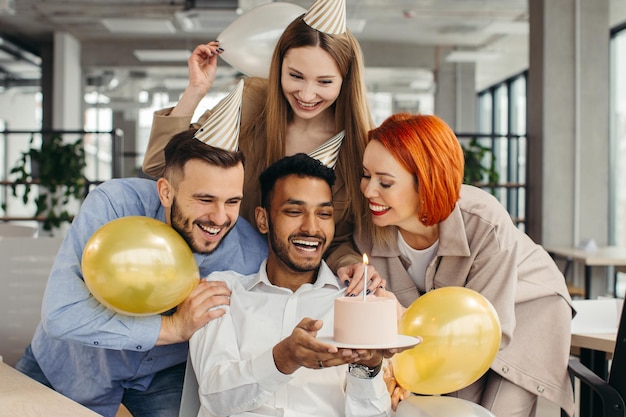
262 357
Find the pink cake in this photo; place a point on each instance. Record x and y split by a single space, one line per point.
370 322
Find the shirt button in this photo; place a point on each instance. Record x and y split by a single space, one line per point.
96 343
138 347
149 359
540 389
505 369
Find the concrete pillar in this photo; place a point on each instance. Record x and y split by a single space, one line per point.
67 89
568 121
127 121
47 70
455 97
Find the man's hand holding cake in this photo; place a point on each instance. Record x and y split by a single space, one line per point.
273 351
302 348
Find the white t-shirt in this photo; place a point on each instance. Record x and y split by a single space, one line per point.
420 259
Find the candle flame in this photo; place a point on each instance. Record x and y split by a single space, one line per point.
365 259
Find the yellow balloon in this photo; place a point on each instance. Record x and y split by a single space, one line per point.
461 336
139 266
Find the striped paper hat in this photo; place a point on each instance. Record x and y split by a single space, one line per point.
222 127
328 16
328 153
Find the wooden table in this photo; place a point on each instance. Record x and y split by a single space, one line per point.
602 256
21 396
600 342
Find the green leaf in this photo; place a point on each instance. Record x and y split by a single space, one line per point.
61 168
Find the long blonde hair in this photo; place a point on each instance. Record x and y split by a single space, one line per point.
351 108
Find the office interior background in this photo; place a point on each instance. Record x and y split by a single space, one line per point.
541 83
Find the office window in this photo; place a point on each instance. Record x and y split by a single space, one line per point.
485 113
517 145
98 147
502 127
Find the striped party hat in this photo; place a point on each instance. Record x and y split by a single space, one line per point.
328 16
222 127
328 153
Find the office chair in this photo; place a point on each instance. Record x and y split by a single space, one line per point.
610 391
190 403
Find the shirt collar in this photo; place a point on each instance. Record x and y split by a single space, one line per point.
325 277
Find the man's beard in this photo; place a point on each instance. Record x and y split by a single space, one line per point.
282 251
179 223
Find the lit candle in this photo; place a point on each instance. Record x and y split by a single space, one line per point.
365 280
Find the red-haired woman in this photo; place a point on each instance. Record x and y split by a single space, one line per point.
428 230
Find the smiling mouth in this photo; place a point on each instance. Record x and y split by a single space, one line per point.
377 209
307 105
306 245
211 230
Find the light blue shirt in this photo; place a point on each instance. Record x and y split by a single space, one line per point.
90 353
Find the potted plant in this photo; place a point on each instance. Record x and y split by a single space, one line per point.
57 169
476 170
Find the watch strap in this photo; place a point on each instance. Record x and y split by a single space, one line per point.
364 371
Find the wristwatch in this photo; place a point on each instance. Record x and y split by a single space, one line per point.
364 372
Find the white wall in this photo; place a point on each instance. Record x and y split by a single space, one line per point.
20 109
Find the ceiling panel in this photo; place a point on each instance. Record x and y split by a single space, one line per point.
468 25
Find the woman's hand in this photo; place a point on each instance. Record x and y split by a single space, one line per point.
352 277
202 66
396 392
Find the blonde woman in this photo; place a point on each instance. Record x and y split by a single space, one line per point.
315 94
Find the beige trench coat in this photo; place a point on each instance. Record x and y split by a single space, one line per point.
480 248
340 253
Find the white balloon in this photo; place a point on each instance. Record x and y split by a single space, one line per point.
436 406
249 41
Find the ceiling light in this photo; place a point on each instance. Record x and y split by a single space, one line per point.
175 83
471 56
95 97
162 55
146 26
199 20
143 96
421 85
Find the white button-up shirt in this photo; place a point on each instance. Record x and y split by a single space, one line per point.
233 361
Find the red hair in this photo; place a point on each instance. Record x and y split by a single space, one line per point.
429 149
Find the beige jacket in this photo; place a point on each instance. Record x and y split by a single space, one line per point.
480 248
341 252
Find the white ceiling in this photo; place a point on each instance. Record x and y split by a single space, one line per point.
112 32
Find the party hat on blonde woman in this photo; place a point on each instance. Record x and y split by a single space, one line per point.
328 16
222 127
328 153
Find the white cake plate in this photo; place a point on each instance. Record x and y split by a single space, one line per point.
402 341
